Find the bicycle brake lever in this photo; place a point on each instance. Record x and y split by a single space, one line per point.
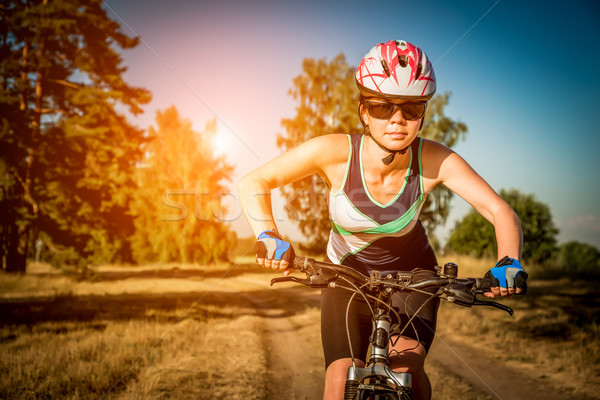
290 279
493 304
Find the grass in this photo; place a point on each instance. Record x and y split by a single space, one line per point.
163 331
553 335
132 333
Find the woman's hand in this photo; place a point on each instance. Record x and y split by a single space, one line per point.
274 252
506 278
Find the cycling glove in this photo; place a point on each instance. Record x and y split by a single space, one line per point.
507 273
270 245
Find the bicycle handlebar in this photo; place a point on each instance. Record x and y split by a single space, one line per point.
459 291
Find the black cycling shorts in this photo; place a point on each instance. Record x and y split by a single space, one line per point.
334 302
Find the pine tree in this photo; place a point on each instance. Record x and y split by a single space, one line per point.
178 208
67 149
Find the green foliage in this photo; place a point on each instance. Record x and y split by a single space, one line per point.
328 103
177 208
474 235
579 259
444 130
67 152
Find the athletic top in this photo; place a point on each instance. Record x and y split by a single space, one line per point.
368 235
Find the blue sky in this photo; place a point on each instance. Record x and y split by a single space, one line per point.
524 78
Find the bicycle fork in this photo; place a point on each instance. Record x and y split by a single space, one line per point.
377 377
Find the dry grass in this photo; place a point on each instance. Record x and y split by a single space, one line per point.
553 335
130 334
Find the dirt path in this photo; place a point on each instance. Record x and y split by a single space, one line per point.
493 381
296 361
294 356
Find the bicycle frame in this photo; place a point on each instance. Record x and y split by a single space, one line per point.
377 378
385 381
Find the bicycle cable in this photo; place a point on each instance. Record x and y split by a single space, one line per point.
393 342
348 331
415 314
355 291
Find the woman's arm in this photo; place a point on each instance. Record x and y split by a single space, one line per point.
315 156
456 174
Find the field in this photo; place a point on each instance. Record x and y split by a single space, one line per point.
220 331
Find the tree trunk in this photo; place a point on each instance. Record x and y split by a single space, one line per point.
14 248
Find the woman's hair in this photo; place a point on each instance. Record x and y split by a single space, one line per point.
361 102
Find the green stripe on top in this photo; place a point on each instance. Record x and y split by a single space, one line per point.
389 228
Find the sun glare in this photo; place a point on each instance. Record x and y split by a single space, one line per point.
222 141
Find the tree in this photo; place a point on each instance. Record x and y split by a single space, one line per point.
475 235
327 98
579 258
67 150
178 207
328 103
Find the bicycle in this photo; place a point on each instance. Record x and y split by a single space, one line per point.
376 381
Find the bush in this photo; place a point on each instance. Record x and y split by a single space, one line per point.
474 235
579 259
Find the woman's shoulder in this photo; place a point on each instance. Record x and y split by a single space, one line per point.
332 138
433 145
434 155
332 147
432 150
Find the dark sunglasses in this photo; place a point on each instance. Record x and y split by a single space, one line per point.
383 110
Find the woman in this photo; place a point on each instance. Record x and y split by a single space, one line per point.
378 182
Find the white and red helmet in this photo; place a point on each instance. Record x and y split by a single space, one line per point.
396 70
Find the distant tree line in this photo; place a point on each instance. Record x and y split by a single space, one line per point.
475 236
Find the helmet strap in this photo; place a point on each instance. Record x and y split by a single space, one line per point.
387 160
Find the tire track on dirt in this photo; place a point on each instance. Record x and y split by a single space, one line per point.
295 363
494 380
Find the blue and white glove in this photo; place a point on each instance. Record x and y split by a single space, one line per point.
507 273
271 246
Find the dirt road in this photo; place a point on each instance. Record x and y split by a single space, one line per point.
296 361
293 347
484 375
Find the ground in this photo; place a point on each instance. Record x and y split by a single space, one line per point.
210 332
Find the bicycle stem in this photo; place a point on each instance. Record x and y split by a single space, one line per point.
380 339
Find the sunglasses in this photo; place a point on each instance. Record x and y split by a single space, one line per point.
383 110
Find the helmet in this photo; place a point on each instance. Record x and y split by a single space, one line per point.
396 70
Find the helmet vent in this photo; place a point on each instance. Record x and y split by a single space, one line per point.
419 69
386 68
403 60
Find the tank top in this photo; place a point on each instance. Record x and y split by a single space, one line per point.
368 235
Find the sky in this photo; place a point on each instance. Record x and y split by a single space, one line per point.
523 76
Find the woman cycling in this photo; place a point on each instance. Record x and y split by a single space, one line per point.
378 182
